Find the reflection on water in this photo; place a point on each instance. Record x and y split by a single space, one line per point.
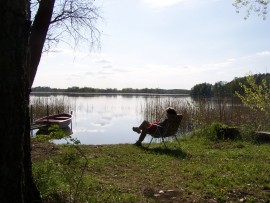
102 119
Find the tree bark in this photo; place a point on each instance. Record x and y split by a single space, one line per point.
38 35
16 180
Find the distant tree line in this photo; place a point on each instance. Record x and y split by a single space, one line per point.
219 89
111 90
224 89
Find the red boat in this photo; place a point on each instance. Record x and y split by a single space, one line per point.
63 120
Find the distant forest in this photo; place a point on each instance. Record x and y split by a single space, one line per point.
110 90
225 88
220 88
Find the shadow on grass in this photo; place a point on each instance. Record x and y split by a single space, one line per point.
176 152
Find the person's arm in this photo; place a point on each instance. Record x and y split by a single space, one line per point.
163 123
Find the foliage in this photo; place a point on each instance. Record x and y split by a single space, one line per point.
225 89
218 131
209 131
202 90
47 177
258 6
256 97
64 175
220 89
51 133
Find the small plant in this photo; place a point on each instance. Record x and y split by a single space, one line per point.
48 177
52 132
55 132
218 131
62 178
257 98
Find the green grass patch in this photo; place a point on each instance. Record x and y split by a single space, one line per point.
201 171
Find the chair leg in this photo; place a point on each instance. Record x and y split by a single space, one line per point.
164 142
150 142
177 141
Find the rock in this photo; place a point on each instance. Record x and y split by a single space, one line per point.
231 133
262 137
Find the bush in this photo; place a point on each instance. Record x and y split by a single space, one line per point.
218 131
52 132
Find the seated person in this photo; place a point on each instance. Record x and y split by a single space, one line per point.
147 128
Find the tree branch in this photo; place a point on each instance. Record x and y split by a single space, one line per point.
38 35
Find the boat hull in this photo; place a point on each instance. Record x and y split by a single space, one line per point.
63 120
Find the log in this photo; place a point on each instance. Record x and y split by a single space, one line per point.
262 136
231 133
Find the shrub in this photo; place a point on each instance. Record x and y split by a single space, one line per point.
218 131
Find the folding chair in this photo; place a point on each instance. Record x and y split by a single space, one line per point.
170 130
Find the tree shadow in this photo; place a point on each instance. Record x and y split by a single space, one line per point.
176 152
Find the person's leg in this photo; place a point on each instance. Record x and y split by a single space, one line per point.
142 136
143 127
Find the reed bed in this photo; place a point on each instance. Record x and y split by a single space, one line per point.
197 113
204 111
43 106
154 110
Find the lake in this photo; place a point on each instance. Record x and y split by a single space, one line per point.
107 119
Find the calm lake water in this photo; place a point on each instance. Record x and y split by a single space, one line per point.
107 119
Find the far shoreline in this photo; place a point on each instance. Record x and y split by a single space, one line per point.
104 94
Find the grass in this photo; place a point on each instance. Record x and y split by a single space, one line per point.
201 171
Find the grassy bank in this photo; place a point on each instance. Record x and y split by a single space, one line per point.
201 171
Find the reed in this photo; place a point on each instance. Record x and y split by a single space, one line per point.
42 106
154 110
204 111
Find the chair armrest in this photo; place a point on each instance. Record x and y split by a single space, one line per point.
158 125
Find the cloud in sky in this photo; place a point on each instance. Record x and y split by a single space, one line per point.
263 53
107 66
161 3
102 60
167 3
97 71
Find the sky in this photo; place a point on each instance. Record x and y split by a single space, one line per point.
167 44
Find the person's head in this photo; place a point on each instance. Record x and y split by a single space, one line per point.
171 111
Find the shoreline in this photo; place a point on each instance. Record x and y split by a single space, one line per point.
104 94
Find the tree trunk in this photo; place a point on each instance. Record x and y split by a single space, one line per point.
16 180
38 35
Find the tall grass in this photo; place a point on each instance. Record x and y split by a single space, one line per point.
41 106
204 111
